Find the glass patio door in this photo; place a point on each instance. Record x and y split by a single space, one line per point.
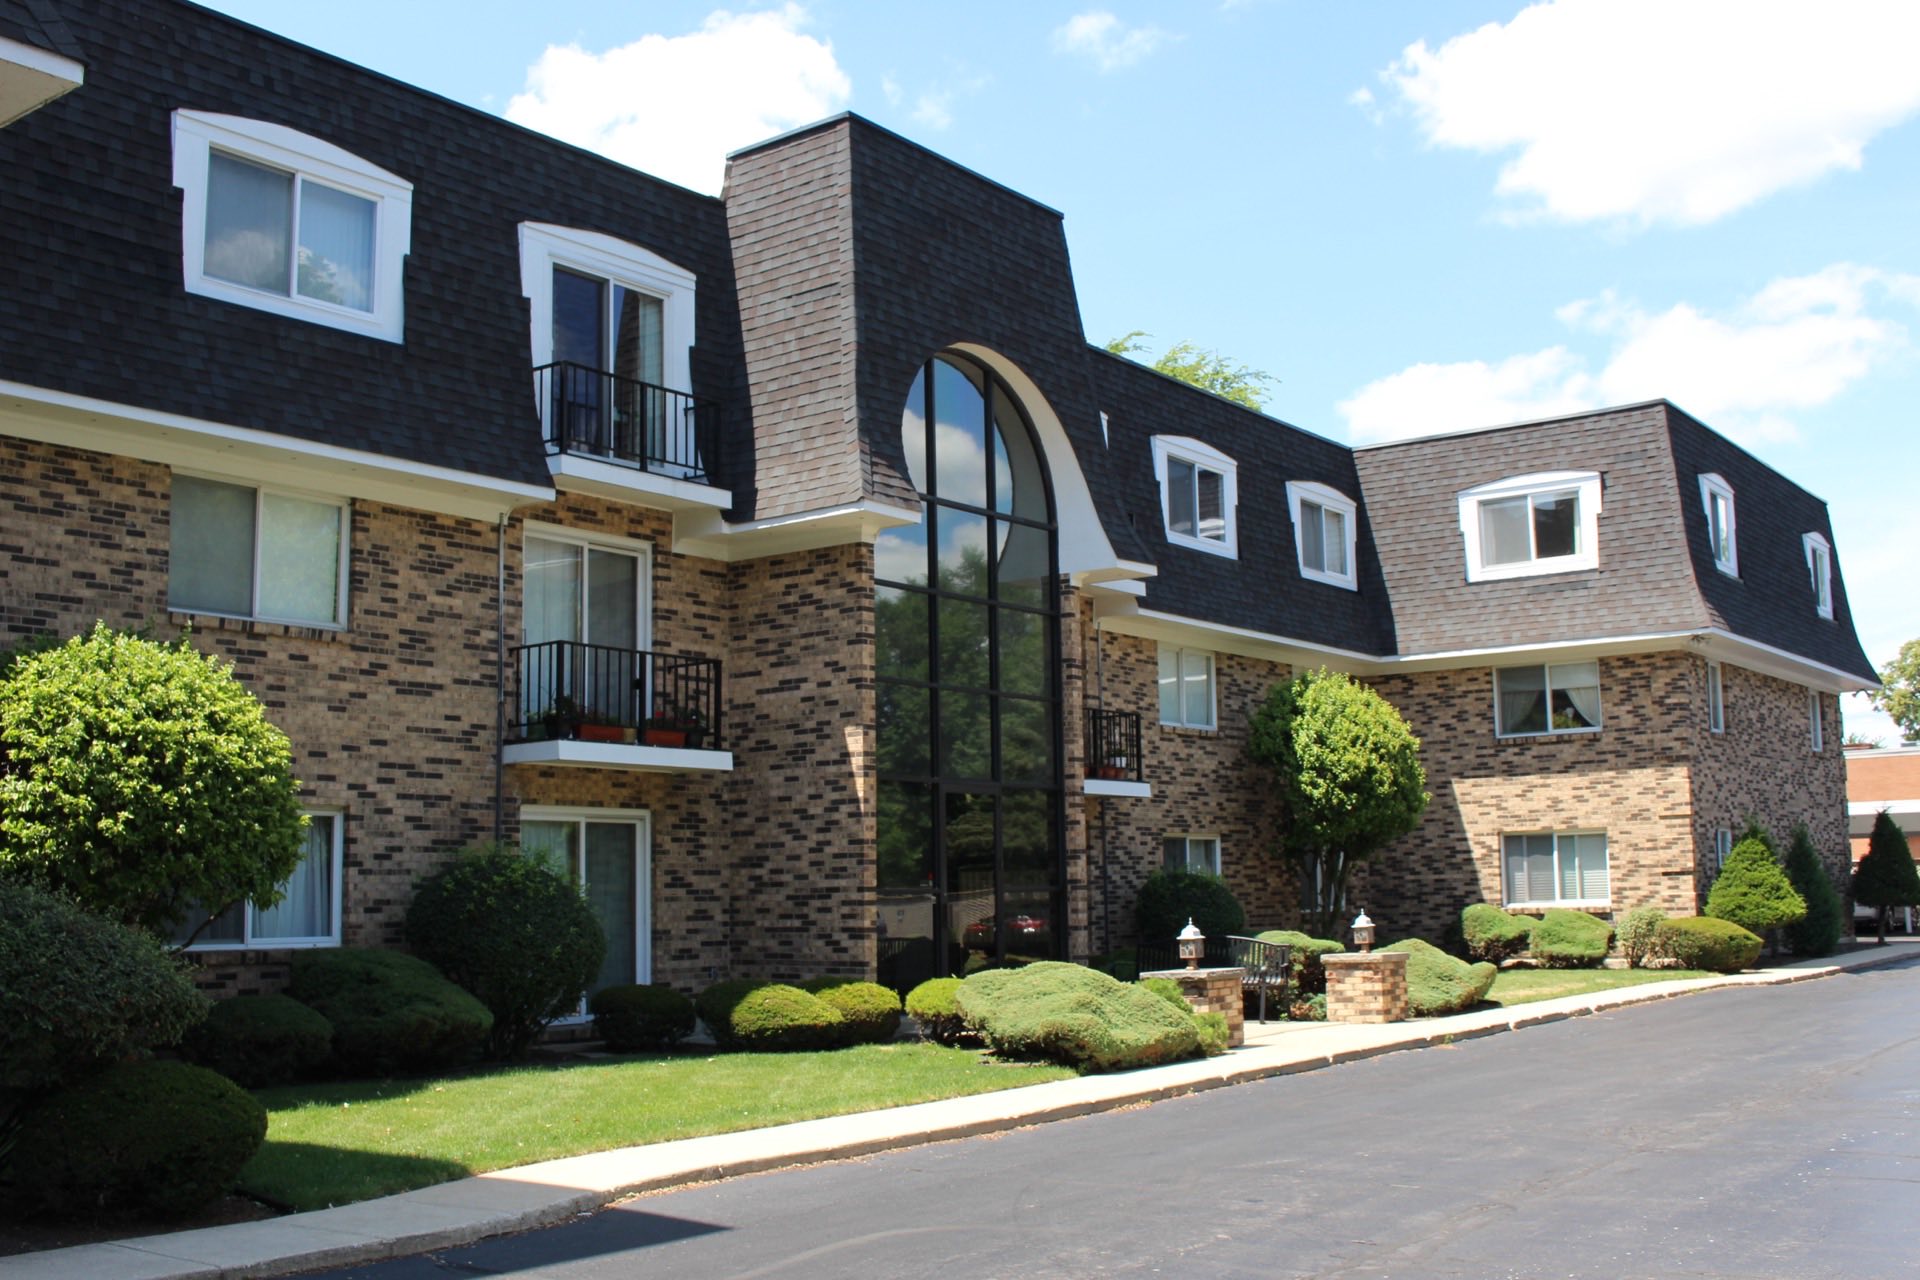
610 860
590 599
604 327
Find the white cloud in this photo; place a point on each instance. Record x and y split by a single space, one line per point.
1644 111
675 105
1796 344
1109 42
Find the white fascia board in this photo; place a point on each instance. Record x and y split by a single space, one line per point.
1872 808
1116 787
174 440
1769 660
31 77
705 533
583 473
617 755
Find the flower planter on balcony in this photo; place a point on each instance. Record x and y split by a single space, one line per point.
664 737
605 733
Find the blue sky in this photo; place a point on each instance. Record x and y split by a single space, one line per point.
1415 216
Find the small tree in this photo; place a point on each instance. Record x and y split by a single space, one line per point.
1899 691
1886 877
1348 777
1752 891
1818 932
143 778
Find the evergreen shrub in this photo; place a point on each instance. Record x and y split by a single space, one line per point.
1173 895
634 1017
775 1017
932 1006
391 1013
1215 1034
1307 975
1167 989
1886 876
715 1005
1494 935
1075 1016
1818 932
1638 932
256 1041
1438 983
1702 942
1752 890
870 1013
1565 939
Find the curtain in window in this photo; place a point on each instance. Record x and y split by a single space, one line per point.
1336 542
1579 684
1169 686
1503 532
307 909
1530 868
1583 868
610 870
1180 500
1522 695
1313 543
299 559
1196 679
336 246
210 560
249 223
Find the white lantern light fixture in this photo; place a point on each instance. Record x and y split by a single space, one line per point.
1363 931
1192 944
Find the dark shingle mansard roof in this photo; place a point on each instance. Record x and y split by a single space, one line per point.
38 23
95 303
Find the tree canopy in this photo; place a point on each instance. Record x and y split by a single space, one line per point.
1886 876
1899 691
1347 776
1199 367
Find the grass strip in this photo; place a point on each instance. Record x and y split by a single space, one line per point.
1524 986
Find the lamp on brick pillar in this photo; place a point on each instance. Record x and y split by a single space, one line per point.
1192 944
1363 931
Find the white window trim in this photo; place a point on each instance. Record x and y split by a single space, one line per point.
1211 459
335 878
1329 499
544 245
1578 904
1716 697
1586 553
1546 676
197 133
1816 723
642 880
1819 552
1713 484
1213 686
1189 837
342 585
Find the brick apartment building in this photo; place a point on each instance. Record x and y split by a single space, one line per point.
788 564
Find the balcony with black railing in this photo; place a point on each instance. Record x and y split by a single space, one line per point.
653 437
1114 766
574 703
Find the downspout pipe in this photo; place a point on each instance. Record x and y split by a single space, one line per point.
500 679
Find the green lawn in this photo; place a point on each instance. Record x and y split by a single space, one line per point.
1523 986
337 1143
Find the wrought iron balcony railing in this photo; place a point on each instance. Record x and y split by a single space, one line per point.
1113 744
565 689
628 423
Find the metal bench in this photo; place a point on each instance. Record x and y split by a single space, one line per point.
1266 965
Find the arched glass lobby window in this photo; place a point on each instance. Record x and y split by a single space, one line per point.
967 637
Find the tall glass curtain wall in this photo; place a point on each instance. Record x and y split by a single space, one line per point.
967 629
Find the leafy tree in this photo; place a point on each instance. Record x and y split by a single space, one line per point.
1818 932
1899 691
1752 890
142 778
1348 778
1196 366
1886 877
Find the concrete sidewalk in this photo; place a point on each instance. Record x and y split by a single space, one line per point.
536 1195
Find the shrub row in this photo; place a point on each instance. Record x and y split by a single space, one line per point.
825 1013
1438 983
1075 1016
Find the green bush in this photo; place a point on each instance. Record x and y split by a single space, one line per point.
515 933
257 1041
1167 989
1438 983
1492 934
1307 976
143 779
715 1005
391 1013
1567 939
1311 1009
1701 942
1818 932
1886 877
932 1006
774 1017
160 1136
1752 890
633 1017
1173 895
1073 1015
1638 931
870 1012
78 990
1215 1035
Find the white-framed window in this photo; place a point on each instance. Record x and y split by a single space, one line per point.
1820 569
1558 697
308 913
609 854
281 221
607 304
1191 853
1186 687
1199 494
1722 846
1716 497
1556 869
1324 530
1716 698
252 552
1816 729
1532 524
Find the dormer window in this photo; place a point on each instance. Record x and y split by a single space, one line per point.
1324 531
1716 496
1820 570
1529 525
1198 494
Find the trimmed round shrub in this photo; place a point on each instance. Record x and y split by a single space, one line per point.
1438 983
513 931
166 1137
870 1012
1075 1016
1638 931
1173 895
715 1005
257 1041
932 1006
1701 942
634 1016
391 1013
1752 890
1818 932
1565 939
1167 989
78 990
1494 935
775 1017
1307 977
1215 1035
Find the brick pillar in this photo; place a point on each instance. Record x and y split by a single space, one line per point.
1368 986
1216 991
